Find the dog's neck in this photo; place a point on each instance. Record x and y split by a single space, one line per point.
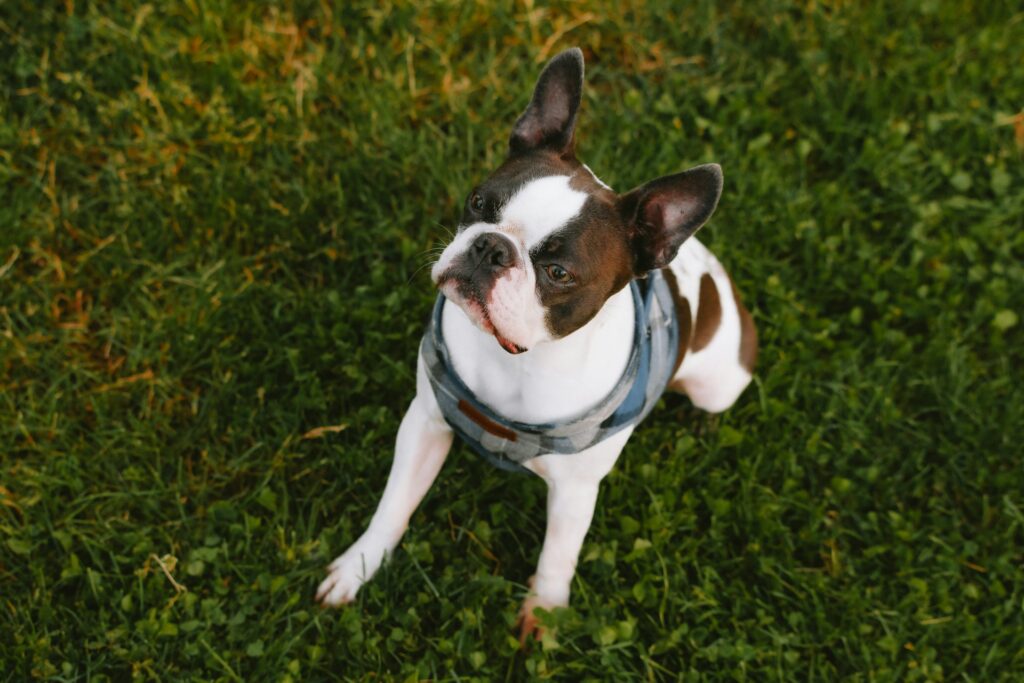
553 381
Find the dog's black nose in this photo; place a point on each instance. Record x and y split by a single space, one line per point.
493 249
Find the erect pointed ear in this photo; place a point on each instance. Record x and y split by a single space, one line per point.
550 119
663 213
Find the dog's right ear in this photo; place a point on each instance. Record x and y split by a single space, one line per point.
550 119
664 213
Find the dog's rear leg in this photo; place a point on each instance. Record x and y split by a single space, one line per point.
420 450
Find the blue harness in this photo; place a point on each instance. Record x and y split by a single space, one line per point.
508 444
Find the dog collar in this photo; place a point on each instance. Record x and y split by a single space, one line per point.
508 444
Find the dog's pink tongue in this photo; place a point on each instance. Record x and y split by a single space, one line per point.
509 346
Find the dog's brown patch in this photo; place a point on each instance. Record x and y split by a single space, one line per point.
593 247
709 313
684 315
748 333
584 180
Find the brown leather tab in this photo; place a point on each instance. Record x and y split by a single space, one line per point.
485 423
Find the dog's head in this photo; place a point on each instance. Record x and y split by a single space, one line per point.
543 243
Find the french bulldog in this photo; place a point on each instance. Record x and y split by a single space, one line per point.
565 310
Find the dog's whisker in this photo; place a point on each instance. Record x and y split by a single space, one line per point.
451 233
416 272
435 249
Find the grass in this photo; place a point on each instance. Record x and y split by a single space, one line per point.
212 221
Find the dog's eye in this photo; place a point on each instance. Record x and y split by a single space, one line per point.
476 202
558 274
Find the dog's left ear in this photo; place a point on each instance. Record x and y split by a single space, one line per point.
550 119
663 213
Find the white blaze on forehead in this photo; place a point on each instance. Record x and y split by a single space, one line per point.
541 207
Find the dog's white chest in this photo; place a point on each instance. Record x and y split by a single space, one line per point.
551 381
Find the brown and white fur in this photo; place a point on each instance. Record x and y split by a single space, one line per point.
539 324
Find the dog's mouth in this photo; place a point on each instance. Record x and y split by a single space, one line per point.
476 309
508 345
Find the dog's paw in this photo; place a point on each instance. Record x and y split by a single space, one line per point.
529 624
339 588
346 575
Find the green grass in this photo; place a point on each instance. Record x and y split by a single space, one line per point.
212 216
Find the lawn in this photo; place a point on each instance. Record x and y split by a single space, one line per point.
214 222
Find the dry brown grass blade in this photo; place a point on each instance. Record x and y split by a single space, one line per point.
320 431
145 376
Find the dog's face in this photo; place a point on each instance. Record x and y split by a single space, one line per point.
543 243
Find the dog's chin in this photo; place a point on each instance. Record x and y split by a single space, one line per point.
477 313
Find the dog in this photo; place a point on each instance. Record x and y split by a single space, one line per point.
565 310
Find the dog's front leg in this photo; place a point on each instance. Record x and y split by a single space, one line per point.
573 482
424 439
